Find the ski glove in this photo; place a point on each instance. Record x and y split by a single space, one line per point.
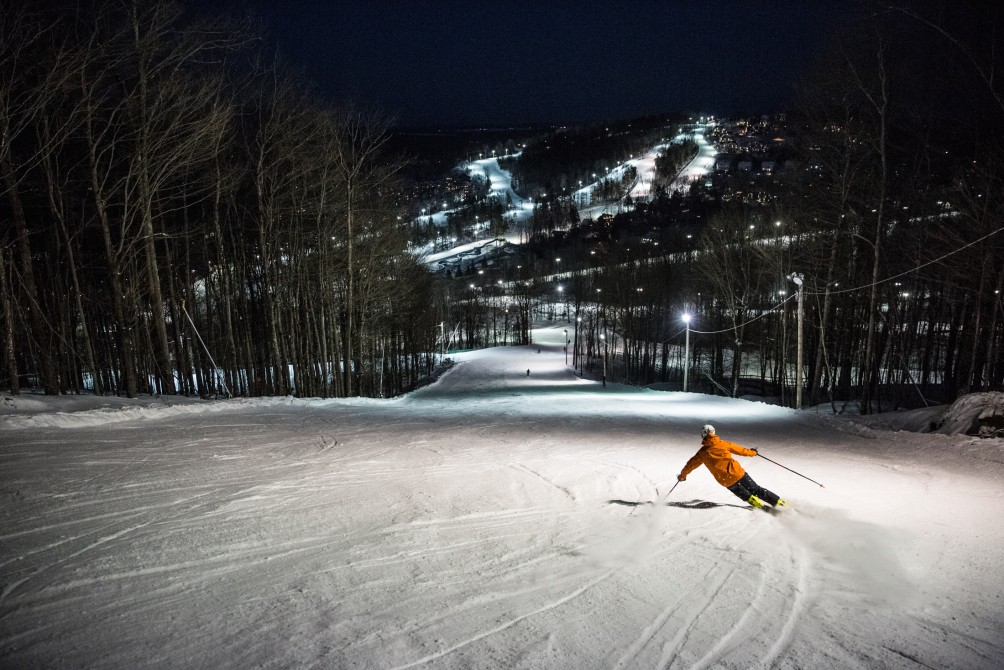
756 453
681 478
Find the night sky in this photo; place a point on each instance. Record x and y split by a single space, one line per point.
495 63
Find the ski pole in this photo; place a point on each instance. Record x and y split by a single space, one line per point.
790 470
666 497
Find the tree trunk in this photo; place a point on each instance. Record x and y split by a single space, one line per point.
10 354
40 329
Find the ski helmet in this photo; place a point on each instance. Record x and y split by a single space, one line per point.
707 429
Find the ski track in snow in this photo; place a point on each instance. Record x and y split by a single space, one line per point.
470 525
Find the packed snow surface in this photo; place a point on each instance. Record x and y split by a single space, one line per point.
494 519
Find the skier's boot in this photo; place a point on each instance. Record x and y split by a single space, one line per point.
781 503
756 502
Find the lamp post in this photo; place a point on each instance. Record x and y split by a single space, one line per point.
796 277
442 332
575 347
686 351
603 339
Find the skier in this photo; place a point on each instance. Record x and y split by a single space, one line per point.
716 454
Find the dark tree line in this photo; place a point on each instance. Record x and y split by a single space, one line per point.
896 224
903 262
179 215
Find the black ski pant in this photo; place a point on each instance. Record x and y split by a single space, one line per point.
746 487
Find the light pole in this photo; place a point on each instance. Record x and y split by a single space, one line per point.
603 339
797 278
686 351
575 347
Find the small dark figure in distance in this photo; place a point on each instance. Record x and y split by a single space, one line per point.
528 372
716 454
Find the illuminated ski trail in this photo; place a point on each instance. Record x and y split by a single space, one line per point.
470 525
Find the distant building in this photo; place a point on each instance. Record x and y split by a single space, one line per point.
724 162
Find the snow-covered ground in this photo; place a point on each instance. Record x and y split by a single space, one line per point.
500 188
701 165
521 209
494 519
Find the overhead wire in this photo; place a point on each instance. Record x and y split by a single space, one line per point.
850 290
911 270
832 292
746 323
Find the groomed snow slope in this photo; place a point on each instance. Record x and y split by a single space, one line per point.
489 521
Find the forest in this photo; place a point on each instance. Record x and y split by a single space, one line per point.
891 222
892 227
181 214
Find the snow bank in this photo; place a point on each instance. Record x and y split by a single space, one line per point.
77 411
977 414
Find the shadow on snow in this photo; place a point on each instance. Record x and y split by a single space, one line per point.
692 504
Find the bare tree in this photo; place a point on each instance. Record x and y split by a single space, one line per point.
736 273
358 170
174 117
24 86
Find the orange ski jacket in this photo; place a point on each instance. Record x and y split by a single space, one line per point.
716 453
